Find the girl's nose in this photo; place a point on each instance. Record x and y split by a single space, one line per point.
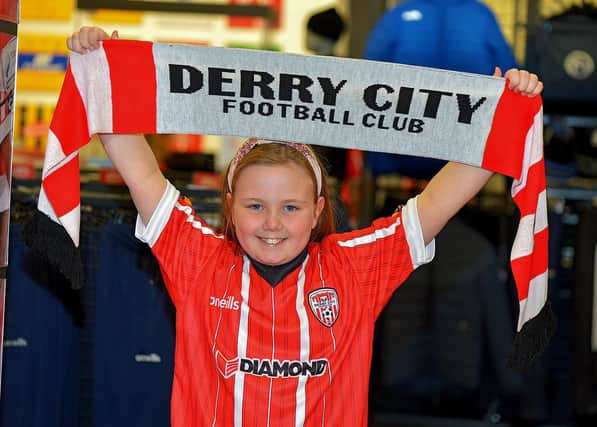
272 222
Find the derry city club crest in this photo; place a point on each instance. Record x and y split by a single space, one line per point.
325 305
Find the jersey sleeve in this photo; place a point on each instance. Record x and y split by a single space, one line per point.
180 240
383 255
419 252
149 233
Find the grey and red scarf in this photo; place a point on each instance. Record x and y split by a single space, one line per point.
144 87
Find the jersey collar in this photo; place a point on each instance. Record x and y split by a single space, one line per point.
274 274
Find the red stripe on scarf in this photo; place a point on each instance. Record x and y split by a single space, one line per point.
73 133
525 199
62 190
133 99
508 132
530 266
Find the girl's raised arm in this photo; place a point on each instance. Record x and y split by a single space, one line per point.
456 183
136 163
130 154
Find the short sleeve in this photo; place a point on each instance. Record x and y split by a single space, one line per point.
419 253
149 233
379 258
181 242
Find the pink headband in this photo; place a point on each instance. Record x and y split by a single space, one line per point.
250 143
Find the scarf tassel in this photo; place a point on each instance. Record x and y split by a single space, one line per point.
532 339
50 241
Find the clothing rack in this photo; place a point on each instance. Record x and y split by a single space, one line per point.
112 342
94 195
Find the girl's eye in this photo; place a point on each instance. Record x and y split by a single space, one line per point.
255 206
291 208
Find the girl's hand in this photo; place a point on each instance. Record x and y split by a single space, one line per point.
521 81
87 39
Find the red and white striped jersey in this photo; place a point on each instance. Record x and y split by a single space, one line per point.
297 354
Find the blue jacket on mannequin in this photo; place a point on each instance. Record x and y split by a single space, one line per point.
459 35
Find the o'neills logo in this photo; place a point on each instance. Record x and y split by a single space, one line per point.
229 303
270 368
325 305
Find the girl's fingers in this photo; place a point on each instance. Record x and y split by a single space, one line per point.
513 77
74 44
523 83
539 88
84 38
532 85
88 38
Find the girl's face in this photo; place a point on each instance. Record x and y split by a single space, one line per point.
273 211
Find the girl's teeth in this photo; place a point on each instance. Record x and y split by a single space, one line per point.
272 241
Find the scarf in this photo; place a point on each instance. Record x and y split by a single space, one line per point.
144 87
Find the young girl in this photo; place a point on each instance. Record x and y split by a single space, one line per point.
275 316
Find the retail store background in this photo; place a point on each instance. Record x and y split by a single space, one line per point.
64 365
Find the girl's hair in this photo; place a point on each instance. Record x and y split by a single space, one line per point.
276 153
